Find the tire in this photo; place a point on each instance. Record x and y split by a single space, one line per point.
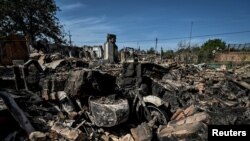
162 117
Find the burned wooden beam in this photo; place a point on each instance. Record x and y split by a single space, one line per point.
17 112
242 83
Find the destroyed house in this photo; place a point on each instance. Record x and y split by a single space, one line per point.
235 53
186 57
94 51
57 97
98 51
70 51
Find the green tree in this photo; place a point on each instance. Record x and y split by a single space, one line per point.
214 44
35 19
209 48
151 51
169 54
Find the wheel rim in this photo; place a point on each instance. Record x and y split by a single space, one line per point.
154 111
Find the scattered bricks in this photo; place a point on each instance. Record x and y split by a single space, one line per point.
198 117
69 133
190 110
127 137
180 114
178 111
203 116
113 138
194 131
142 132
223 95
45 90
105 138
37 136
200 87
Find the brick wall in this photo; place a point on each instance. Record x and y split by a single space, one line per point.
233 57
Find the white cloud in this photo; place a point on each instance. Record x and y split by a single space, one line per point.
72 6
89 30
84 21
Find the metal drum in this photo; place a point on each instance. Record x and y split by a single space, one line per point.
108 112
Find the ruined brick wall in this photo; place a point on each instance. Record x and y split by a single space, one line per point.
187 57
233 57
13 47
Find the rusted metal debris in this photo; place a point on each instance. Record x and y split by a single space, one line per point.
75 99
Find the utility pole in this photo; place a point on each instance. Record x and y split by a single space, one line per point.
190 35
138 46
156 40
70 38
189 46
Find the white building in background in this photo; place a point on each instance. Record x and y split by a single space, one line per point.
98 51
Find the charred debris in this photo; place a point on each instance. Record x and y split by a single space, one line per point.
52 96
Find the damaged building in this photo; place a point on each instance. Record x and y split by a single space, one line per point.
60 97
110 49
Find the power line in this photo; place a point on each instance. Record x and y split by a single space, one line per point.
197 36
174 38
227 33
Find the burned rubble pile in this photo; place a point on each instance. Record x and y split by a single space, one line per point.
74 100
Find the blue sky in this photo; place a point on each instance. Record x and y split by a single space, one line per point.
139 22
